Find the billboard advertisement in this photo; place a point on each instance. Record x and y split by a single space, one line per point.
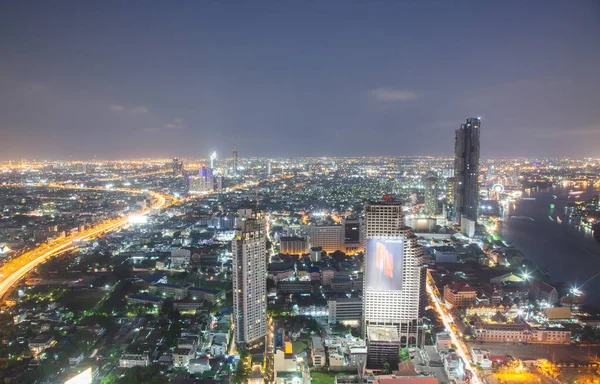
385 259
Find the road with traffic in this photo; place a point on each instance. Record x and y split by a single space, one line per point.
15 269
447 320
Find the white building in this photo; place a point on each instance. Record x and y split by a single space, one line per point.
130 360
182 357
249 278
329 237
455 368
198 366
345 310
481 357
394 274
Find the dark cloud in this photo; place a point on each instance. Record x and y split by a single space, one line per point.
115 80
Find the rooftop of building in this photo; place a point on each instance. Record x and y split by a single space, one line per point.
503 327
205 290
42 339
462 287
405 380
139 296
182 351
165 285
317 343
383 334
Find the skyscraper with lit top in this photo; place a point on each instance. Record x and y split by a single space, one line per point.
249 278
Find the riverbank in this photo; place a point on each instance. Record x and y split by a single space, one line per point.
569 253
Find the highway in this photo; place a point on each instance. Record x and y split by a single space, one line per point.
16 269
446 318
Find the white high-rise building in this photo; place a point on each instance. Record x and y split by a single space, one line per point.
394 278
249 278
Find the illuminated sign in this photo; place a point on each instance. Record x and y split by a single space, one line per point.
387 197
385 259
84 377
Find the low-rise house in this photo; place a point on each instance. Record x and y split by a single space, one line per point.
130 360
317 352
40 343
198 366
210 295
182 357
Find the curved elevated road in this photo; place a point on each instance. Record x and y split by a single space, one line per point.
16 269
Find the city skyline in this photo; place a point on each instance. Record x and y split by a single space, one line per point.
382 192
118 81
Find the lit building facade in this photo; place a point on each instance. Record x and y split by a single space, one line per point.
329 237
466 173
396 305
249 278
291 245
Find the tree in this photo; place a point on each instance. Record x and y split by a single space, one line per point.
244 368
167 307
404 355
386 368
111 378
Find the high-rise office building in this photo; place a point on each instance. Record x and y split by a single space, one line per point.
269 168
177 166
431 196
466 173
394 282
235 161
198 184
249 278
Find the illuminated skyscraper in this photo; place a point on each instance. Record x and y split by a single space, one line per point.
213 157
466 173
431 196
249 278
394 278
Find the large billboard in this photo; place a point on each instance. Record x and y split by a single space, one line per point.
385 258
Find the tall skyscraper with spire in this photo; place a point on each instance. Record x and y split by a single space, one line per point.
249 278
394 283
466 173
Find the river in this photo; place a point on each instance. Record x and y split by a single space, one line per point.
569 253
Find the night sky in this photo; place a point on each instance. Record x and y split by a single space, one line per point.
130 79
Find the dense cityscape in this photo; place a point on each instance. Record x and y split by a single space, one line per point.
345 270
275 192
